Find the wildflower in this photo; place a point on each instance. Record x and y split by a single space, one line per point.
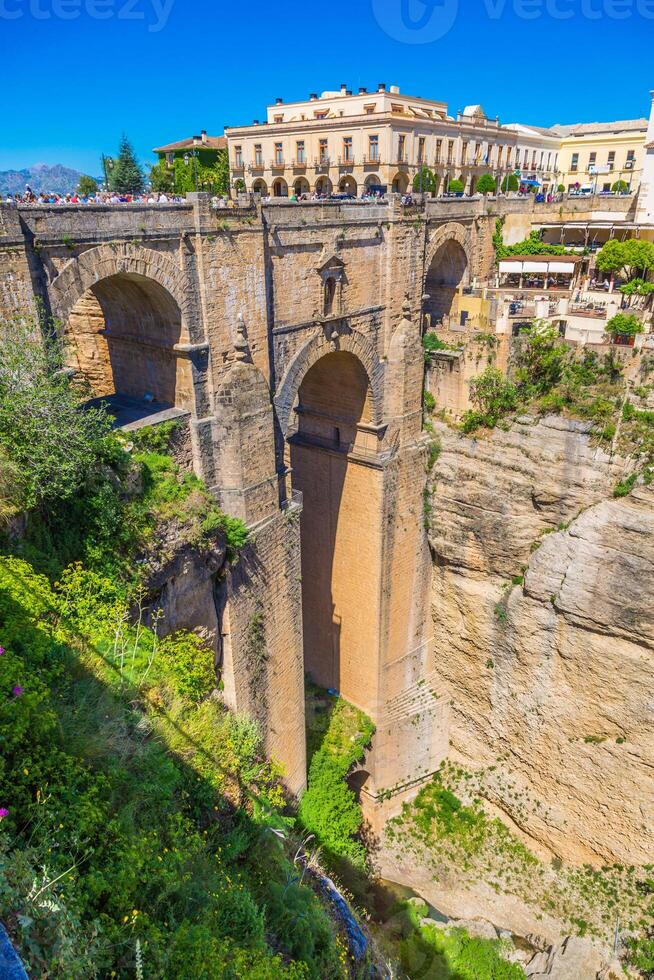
26 772
17 691
4 812
2 650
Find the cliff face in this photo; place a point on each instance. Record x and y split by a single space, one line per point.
551 675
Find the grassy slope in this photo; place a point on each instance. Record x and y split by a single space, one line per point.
143 821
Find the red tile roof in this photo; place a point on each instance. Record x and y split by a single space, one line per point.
209 143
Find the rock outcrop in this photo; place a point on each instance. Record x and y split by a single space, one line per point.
544 629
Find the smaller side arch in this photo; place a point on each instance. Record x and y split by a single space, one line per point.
315 348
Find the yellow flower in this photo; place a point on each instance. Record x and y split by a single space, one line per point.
26 771
125 918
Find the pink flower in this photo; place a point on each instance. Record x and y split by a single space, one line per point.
2 650
4 812
17 691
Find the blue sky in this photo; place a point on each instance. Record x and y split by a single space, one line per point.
77 73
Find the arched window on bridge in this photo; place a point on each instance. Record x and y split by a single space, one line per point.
330 295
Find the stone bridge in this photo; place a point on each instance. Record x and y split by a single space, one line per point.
287 340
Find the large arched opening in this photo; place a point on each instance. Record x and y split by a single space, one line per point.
447 271
348 185
400 183
122 336
341 523
280 187
301 186
323 186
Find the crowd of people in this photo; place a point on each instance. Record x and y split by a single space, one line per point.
100 197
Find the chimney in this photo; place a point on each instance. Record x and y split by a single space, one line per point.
203 136
279 100
196 140
255 122
381 87
362 89
349 92
343 88
313 97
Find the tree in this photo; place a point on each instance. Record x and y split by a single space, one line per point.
493 396
126 176
620 187
561 188
455 186
611 256
486 184
510 183
541 360
624 325
636 289
162 179
87 186
632 257
239 185
49 440
222 172
425 181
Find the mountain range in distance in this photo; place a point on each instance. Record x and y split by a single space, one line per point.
56 179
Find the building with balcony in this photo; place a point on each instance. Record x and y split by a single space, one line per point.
595 156
352 143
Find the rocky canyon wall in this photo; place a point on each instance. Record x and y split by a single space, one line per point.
544 631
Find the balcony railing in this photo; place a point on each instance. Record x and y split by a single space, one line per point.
346 161
299 164
320 162
256 166
278 164
238 166
369 161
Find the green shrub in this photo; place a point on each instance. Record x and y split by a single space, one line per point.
510 183
53 444
486 184
624 487
328 808
428 401
135 811
624 325
455 186
493 397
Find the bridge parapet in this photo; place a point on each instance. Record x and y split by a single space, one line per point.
52 223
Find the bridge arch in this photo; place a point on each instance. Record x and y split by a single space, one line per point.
124 323
447 267
312 351
81 273
332 460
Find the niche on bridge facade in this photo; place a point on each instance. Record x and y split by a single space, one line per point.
123 335
448 270
332 276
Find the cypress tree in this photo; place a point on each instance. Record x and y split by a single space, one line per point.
126 176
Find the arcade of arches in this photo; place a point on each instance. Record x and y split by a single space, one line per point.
122 336
341 526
